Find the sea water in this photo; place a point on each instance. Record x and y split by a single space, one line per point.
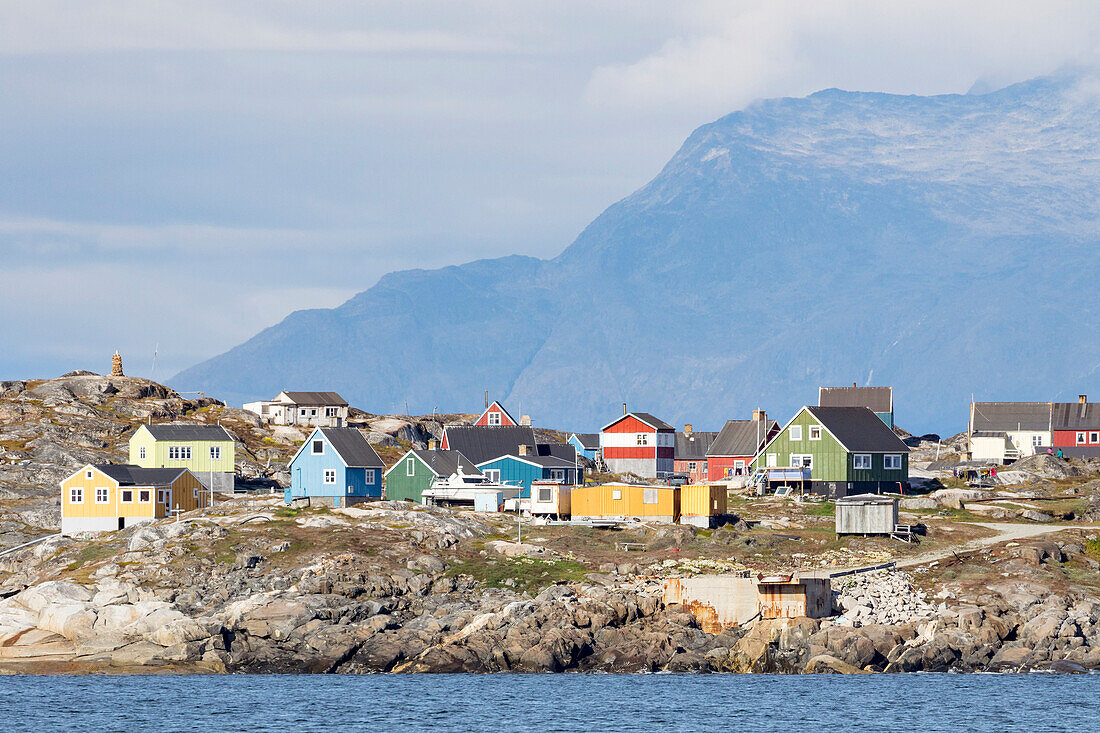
546 703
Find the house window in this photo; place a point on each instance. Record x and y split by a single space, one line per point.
102 495
1036 441
145 496
557 474
410 469
692 466
861 461
891 462
318 447
649 496
545 494
815 432
330 412
330 476
179 453
796 432
802 461
76 496
313 412
616 494
351 489
369 474
164 496
771 461
493 418
642 439
127 496
87 474
215 452
1080 438
738 468
141 452
493 474
1094 437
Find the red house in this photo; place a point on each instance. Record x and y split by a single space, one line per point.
739 441
1075 427
495 416
638 443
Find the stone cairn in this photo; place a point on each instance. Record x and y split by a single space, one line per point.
116 365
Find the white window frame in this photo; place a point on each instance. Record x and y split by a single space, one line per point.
410 466
1081 438
330 476
801 462
141 452
124 492
493 419
859 458
650 496
164 496
641 439
815 432
330 412
771 460
76 495
492 474
795 433
87 474
1037 440
738 468
215 452
546 494
616 494
351 489
557 474
890 458
313 448
145 496
1094 437
106 495
369 475
179 453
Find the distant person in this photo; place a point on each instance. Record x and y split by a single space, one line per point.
1060 454
1050 451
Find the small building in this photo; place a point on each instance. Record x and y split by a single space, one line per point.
586 444
105 497
1075 428
690 457
737 443
523 468
726 601
551 500
638 443
1002 432
208 451
626 502
879 400
849 450
702 505
303 409
335 467
866 514
415 471
495 416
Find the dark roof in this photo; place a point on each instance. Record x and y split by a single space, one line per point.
654 422
480 443
1075 415
742 437
876 399
590 441
694 445
544 461
563 451
316 399
189 431
859 429
129 475
1007 416
352 447
445 462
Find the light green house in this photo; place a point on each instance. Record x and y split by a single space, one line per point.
415 471
849 450
206 450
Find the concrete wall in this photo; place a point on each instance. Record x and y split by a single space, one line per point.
723 601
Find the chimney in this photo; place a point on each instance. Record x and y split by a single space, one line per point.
853 384
486 399
624 408
759 415
525 420
1082 399
523 450
116 365
687 429
433 444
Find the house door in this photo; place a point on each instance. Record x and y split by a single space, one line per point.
122 522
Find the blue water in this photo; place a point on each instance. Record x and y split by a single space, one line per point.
548 703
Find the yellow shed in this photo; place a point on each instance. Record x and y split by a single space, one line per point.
702 504
626 501
106 497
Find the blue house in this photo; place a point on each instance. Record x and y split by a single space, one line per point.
335 467
521 470
587 444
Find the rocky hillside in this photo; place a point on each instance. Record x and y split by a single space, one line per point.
839 237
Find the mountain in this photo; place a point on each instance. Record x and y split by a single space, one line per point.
944 245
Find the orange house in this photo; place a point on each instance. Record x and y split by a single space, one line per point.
106 497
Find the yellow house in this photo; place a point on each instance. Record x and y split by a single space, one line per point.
625 502
205 450
112 496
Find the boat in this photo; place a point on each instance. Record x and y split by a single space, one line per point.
471 490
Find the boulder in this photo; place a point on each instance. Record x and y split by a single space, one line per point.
184 630
73 620
828 664
52 592
918 502
954 498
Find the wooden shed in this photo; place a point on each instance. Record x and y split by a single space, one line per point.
702 505
551 499
626 502
866 514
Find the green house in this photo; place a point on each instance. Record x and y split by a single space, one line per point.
849 450
205 450
416 470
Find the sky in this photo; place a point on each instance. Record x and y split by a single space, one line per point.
177 176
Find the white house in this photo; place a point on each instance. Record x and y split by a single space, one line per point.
313 409
1005 431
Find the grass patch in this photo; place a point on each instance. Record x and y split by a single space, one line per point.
523 574
1092 548
824 509
288 511
92 552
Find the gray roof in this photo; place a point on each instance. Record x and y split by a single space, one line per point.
1006 416
544 461
563 451
694 445
988 434
445 462
481 443
859 429
352 447
742 437
877 399
1075 415
189 431
590 441
316 399
654 422
129 475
